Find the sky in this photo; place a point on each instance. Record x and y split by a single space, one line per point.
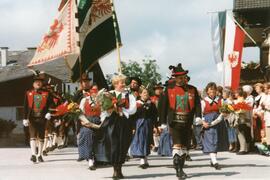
172 32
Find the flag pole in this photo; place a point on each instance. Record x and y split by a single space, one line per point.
79 43
117 39
248 35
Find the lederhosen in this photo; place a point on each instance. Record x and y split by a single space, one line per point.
37 106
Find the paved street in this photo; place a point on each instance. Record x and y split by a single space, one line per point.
62 165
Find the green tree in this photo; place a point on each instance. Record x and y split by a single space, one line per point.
147 71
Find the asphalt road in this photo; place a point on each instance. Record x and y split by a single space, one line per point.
62 165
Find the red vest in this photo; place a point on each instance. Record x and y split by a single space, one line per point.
186 99
154 99
37 100
91 110
212 108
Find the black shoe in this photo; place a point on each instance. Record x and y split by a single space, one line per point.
40 159
33 158
92 168
144 166
45 153
155 149
128 158
80 159
188 158
61 147
217 166
212 165
241 153
181 174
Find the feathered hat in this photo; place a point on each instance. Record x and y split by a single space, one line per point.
178 70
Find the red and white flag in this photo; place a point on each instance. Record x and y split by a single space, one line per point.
61 39
234 42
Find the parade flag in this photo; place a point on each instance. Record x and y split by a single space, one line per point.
217 35
99 32
234 42
61 40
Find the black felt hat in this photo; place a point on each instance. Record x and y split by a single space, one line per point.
158 86
137 79
178 70
38 76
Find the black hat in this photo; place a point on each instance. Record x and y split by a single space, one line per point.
178 70
38 76
158 86
137 79
85 77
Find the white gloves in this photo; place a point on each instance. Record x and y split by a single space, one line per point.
48 116
57 123
26 122
163 126
198 121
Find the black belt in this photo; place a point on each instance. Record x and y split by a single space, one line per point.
181 117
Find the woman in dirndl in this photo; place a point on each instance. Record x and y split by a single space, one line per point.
146 120
91 115
117 125
214 134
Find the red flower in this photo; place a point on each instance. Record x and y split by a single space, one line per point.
242 106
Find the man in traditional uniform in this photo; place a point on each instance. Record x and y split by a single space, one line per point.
36 105
52 125
181 103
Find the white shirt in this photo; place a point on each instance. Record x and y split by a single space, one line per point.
266 102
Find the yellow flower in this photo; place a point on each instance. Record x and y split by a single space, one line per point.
70 106
230 107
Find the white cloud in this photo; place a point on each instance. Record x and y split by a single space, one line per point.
170 31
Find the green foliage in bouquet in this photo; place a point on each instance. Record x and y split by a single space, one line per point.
105 99
225 108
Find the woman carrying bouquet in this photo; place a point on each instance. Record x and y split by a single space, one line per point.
243 126
146 120
214 135
117 124
91 114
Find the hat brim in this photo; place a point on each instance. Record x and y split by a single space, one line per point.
180 73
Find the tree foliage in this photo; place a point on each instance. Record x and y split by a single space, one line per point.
147 71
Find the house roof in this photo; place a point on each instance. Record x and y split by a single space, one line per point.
251 4
18 67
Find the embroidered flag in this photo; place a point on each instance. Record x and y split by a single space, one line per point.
234 42
61 40
99 32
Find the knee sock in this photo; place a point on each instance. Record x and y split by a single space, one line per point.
156 141
40 146
45 143
90 162
213 157
33 146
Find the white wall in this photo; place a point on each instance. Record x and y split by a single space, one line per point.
9 113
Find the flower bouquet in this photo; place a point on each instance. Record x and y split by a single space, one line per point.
106 100
241 107
69 111
226 109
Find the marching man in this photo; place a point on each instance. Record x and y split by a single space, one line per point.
181 103
36 105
